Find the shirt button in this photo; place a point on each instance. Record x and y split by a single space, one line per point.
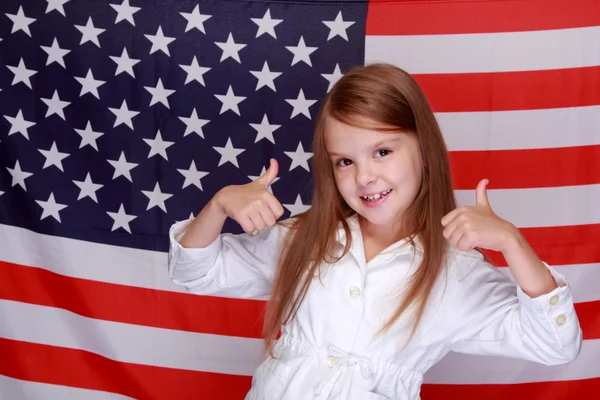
561 319
331 361
554 300
355 292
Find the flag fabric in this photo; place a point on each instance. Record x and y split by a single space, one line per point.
120 117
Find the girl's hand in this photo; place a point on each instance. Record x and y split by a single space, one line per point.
251 205
469 227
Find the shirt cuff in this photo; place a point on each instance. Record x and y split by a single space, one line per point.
556 307
181 258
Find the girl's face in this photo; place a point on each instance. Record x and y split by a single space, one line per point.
367 162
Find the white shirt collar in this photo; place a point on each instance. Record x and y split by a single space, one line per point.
403 245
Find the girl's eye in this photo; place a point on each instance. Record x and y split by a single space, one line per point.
342 163
384 151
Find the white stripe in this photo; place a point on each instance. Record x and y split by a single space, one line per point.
582 278
480 370
239 356
87 260
523 129
140 268
147 269
488 52
542 207
127 342
11 388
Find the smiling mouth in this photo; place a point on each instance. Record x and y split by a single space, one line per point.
377 196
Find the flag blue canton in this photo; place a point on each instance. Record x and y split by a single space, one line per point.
118 118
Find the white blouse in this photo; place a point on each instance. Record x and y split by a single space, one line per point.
329 350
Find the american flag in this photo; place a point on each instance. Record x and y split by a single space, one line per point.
120 117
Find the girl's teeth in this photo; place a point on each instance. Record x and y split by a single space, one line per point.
376 196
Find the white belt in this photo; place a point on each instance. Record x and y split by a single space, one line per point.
337 359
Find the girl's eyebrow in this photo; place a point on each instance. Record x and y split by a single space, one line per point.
374 146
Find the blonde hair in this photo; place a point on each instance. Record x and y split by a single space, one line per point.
389 97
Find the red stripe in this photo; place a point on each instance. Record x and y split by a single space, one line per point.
506 91
531 168
82 369
77 368
561 245
583 389
448 17
157 308
589 318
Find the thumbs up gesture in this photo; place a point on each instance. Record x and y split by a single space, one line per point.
469 227
251 205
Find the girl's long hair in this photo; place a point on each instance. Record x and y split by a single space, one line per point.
368 96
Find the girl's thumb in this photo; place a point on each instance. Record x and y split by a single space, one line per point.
271 173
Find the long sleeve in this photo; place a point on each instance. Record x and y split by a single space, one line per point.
236 266
495 317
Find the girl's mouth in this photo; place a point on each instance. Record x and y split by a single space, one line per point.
375 200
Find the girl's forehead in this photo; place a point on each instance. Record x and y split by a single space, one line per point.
335 129
344 143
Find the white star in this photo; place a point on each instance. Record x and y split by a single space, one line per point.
338 27
156 198
87 188
301 52
160 42
22 74
125 12
20 21
124 63
53 157
124 115
159 94
88 136
18 175
55 105
262 172
265 77
56 5
195 19
89 84
122 167
297 208
230 101
51 208
230 49
192 176
265 130
194 72
333 77
194 124
158 146
121 219
299 157
1 192
229 153
301 105
19 124
89 32
55 53
266 24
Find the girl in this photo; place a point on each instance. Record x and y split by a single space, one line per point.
383 275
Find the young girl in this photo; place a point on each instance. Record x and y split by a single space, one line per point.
383 275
